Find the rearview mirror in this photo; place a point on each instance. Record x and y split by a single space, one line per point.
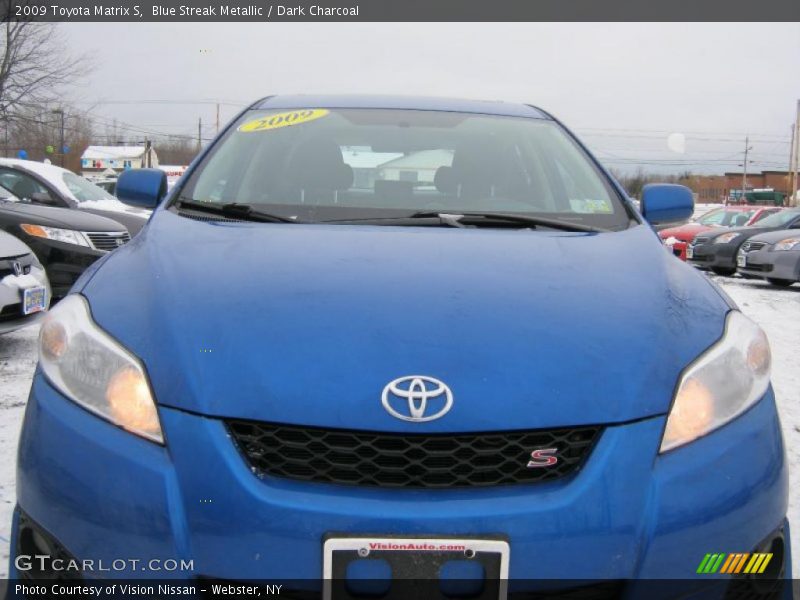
43 198
143 188
666 203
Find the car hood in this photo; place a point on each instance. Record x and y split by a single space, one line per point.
11 246
774 236
747 231
50 216
306 324
131 221
115 206
684 233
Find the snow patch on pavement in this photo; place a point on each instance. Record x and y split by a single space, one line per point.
17 363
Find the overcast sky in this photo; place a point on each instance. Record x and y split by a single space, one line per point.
623 87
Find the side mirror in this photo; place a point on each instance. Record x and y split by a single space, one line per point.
666 203
143 188
43 198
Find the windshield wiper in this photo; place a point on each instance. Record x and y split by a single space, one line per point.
234 210
465 219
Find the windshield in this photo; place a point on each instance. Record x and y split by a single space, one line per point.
325 165
726 218
778 219
84 190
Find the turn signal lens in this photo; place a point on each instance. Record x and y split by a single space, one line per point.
66 236
130 401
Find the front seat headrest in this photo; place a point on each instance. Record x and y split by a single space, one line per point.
317 165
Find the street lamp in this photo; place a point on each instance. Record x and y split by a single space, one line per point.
59 111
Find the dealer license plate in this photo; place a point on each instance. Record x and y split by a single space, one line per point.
34 300
741 260
415 563
689 252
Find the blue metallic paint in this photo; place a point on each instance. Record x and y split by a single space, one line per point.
666 203
321 317
144 188
629 513
309 322
487 107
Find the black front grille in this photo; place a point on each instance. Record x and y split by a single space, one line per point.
397 460
108 241
25 262
756 267
11 312
699 241
53 561
752 246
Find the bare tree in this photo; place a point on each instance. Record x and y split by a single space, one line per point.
175 150
37 131
34 67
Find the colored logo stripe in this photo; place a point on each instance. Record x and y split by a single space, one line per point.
710 563
738 562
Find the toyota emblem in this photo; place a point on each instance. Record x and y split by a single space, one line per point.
417 398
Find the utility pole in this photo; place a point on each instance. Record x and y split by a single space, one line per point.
148 161
790 174
60 112
199 132
747 148
796 151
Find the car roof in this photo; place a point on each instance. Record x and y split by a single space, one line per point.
487 107
32 165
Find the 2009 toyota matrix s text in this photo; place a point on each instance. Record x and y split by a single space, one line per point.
406 331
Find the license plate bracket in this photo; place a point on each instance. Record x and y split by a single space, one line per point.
415 563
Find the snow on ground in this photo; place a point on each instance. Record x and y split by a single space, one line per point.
17 362
776 310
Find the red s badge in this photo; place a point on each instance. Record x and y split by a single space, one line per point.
543 458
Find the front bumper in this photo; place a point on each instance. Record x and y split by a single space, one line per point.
773 265
678 248
709 255
64 263
629 513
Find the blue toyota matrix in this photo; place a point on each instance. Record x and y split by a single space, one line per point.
373 340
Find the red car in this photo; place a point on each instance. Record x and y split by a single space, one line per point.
678 238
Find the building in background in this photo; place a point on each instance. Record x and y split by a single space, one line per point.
416 167
96 160
712 189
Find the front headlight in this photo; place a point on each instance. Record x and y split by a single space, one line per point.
67 236
91 368
726 237
721 384
787 244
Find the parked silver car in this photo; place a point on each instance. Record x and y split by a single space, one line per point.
24 289
774 256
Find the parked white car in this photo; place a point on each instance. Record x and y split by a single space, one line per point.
48 184
24 289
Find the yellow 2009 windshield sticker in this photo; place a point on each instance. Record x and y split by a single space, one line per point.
284 119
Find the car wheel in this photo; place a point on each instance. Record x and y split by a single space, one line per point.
780 282
723 271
